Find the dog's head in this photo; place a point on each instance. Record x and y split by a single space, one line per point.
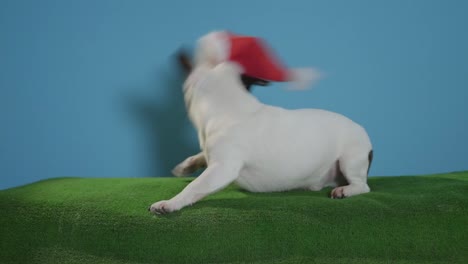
187 66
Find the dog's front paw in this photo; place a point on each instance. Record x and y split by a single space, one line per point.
163 207
183 170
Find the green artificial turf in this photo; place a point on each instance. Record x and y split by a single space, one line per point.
411 219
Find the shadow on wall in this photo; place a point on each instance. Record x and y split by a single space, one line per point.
166 125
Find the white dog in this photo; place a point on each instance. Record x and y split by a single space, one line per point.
265 148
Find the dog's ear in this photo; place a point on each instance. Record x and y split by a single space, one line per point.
184 61
249 81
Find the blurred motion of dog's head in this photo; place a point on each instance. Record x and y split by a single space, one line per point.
187 66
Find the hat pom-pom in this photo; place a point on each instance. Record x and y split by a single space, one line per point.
303 78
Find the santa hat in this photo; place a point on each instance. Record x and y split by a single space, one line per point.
253 55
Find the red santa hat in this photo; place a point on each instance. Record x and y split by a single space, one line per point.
253 55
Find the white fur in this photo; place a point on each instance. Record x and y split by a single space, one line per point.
264 148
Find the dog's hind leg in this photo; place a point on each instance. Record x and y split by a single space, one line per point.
354 167
217 176
190 165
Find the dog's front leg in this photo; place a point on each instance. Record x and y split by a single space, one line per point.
216 177
190 165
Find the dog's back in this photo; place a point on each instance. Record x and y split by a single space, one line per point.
288 149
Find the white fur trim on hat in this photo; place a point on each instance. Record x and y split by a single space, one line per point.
213 48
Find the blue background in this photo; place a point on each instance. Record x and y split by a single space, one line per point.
89 88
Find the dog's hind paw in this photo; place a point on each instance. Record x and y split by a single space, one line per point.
338 193
348 190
